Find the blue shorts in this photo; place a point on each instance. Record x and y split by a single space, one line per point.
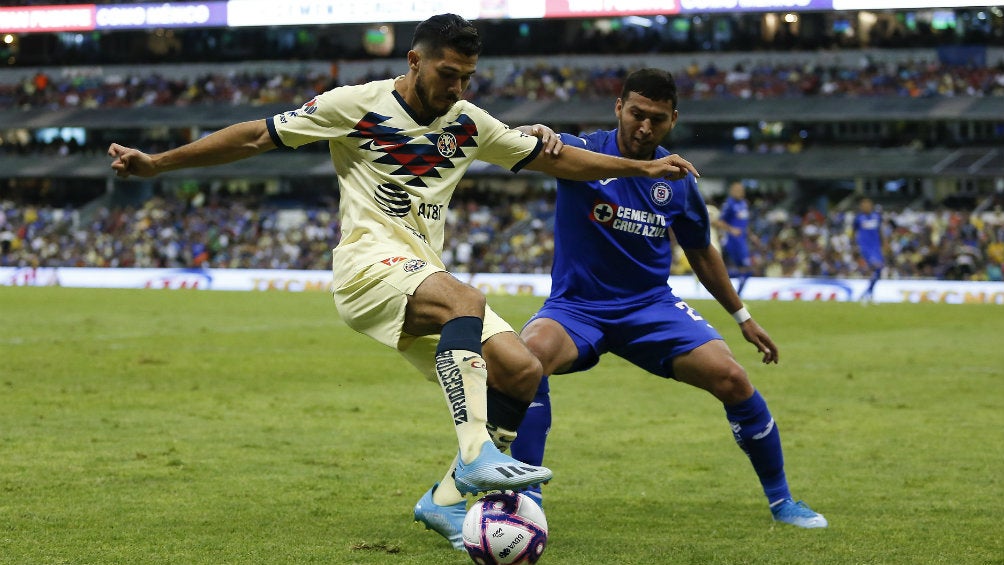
874 258
737 251
649 334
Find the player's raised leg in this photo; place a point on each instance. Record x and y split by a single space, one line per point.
713 368
458 310
513 376
462 368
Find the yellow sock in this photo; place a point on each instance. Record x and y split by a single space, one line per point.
463 376
446 494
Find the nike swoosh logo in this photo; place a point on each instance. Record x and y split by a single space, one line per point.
466 359
605 182
535 405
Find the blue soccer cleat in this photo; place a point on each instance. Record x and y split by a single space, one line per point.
797 514
493 470
447 521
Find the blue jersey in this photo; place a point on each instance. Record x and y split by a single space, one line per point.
736 213
867 231
611 236
868 235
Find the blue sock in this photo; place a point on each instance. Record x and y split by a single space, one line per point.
876 275
757 435
532 434
462 333
742 282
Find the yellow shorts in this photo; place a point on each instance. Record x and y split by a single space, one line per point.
373 302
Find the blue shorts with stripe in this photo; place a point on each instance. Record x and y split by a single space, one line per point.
649 333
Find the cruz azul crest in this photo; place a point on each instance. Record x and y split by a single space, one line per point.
661 193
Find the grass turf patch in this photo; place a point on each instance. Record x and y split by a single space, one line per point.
142 426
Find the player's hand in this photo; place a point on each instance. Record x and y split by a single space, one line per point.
551 140
130 162
758 337
673 167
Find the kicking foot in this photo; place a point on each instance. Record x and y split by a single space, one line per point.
493 470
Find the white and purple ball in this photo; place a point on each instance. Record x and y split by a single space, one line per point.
505 528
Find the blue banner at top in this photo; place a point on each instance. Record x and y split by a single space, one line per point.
710 6
166 15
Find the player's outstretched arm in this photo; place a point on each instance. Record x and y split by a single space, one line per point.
232 143
710 270
597 166
550 139
573 163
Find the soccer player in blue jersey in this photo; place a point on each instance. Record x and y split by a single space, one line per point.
609 291
399 147
868 236
734 224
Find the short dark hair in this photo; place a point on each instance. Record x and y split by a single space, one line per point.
655 84
447 31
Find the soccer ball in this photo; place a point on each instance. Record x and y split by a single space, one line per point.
504 528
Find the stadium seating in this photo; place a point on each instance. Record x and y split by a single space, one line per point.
910 126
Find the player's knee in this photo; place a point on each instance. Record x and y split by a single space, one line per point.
530 373
732 385
523 378
466 300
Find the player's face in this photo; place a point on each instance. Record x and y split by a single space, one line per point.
866 206
441 80
642 123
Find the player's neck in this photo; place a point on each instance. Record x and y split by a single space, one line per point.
405 87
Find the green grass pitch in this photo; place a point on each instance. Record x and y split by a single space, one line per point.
255 428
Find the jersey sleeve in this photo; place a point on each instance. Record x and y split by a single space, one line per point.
323 117
574 141
692 228
500 145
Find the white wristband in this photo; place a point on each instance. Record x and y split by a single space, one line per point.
741 315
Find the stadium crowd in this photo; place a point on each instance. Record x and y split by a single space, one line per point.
540 81
490 232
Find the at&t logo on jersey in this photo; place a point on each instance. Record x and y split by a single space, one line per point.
662 193
392 199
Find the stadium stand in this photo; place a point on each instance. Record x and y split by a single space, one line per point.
913 120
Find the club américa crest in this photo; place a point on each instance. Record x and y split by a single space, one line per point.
446 144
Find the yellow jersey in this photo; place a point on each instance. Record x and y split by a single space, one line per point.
396 176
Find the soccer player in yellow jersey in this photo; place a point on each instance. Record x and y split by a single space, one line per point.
399 148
